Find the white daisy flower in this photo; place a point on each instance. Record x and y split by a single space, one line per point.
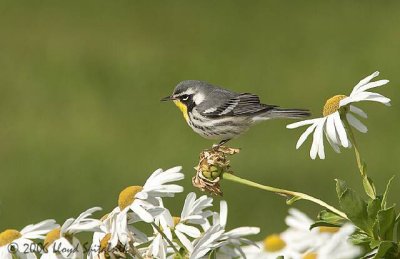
139 199
182 227
299 242
14 243
62 243
272 247
215 237
337 247
335 110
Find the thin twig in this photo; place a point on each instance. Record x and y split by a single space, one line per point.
284 192
165 237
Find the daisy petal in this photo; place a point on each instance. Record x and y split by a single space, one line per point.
300 123
321 151
305 135
334 145
356 123
372 85
223 207
185 241
142 213
317 138
358 111
365 81
188 230
330 129
340 130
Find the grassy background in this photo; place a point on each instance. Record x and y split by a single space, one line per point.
80 84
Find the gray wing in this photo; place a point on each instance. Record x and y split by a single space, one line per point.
239 104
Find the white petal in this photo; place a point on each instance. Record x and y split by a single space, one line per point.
366 96
37 231
317 138
365 81
305 135
185 241
188 230
375 97
333 144
300 123
345 101
321 151
190 198
340 130
142 213
223 207
242 231
358 111
331 130
356 123
371 85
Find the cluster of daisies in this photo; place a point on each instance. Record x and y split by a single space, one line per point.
339 115
298 241
196 232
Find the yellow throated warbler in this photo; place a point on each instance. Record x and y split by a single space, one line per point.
217 113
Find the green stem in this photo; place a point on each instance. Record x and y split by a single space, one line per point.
283 192
356 150
165 237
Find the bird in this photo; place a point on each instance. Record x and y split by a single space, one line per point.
217 113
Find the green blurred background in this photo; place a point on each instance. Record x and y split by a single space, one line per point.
80 83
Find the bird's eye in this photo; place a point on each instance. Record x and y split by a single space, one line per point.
185 97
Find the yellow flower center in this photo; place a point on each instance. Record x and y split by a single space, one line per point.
104 217
176 220
51 237
104 242
274 243
9 235
127 196
328 229
310 255
332 105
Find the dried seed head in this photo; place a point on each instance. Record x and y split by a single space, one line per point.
213 163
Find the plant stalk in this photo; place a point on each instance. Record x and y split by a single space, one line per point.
233 178
165 237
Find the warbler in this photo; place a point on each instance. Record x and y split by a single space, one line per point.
220 114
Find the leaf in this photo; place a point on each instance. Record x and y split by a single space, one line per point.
359 238
354 206
341 187
386 220
330 217
374 243
321 223
387 249
369 187
373 207
385 194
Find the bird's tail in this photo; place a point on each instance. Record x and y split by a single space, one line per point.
278 112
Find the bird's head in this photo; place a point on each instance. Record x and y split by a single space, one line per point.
187 95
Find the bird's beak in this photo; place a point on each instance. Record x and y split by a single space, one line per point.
168 98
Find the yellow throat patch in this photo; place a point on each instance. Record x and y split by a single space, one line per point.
183 109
